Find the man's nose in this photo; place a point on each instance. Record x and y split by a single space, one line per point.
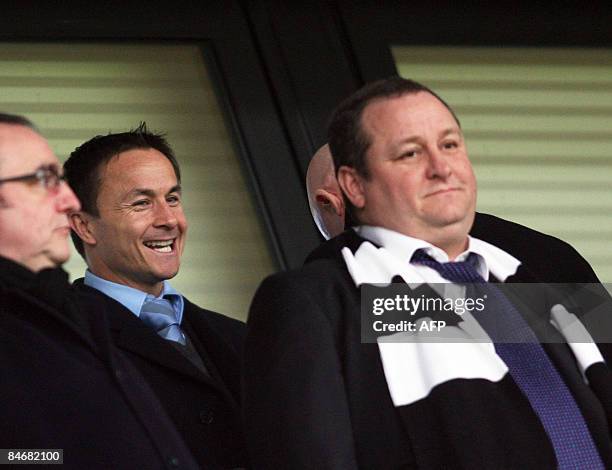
438 166
165 216
66 199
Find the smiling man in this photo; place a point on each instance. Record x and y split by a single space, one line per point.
131 231
138 238
318 395
64 385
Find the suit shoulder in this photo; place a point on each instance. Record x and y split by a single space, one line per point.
314 274
216 318
545 254
322 286
497 230
330 249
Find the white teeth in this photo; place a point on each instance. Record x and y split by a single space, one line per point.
162 246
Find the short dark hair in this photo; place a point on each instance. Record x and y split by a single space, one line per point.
83 168
348 141
17 120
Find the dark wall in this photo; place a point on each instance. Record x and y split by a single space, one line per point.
281 66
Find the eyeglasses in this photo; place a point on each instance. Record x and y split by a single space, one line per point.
48 176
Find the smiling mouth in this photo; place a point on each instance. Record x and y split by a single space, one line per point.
161 246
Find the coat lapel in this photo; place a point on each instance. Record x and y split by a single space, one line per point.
219 357
80 327
131 334
523 275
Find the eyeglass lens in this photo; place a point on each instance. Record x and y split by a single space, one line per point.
49 176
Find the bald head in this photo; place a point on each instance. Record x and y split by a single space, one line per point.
324 196
321 172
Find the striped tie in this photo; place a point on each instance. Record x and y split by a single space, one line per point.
160 315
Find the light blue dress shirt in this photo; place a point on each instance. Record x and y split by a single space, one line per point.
131 298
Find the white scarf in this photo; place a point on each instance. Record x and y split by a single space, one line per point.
414 363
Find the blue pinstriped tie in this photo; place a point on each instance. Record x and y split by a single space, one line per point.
160 315
529 366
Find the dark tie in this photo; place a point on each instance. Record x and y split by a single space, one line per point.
160 315
529 366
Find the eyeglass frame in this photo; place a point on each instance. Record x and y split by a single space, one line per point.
48 176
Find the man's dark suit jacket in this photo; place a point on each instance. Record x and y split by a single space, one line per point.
316 397
204 407
64 385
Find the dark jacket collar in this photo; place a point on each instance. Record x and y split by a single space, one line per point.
15 275
331 249
48 285
47 290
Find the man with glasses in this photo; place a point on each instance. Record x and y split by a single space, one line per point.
63 384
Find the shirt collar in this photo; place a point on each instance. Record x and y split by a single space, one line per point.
495 260
131 298
402 246
489 258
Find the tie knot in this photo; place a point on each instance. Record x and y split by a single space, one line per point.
158 308
159 314
455 271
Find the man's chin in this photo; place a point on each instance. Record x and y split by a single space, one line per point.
59 256
161 266
448 221
449 215
165 274
46 263
171 275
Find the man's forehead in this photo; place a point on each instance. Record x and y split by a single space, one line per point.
404 102
21 148
16 132
132 163
136 172
406 110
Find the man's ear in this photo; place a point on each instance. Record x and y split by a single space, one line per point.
352 185
330 202
80 223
